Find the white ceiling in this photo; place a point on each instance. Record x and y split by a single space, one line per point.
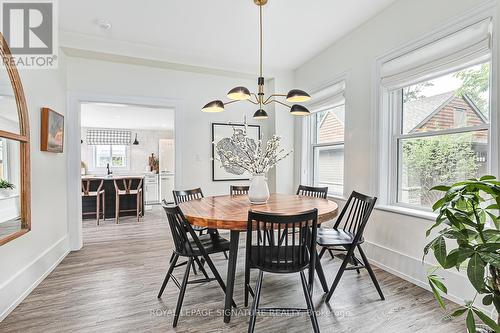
126 116
218 34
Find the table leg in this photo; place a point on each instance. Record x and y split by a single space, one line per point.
231 270
321 274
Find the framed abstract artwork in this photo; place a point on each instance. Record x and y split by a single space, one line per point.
52 132
221 132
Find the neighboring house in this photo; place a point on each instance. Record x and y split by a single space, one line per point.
331 160
443 111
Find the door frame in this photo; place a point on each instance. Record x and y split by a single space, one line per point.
73 144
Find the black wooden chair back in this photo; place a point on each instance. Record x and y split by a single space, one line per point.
179 228
187 195
266 253
355 214
310 191
239 190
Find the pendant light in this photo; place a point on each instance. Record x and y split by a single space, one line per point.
243 94
136 142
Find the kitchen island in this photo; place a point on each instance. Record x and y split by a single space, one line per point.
127 202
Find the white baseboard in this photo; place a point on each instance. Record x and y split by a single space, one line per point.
415 271
18 287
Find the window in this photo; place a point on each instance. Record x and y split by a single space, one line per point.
114 155
442 135
328 147
434 110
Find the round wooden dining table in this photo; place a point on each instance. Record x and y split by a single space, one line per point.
231 213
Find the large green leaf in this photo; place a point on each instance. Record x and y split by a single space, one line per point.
436 293
458 312
487 320
475 272
487 177
440 188
471 324
439 248
491 258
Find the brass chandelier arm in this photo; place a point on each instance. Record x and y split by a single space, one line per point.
230 102
273 95
276 101
253 102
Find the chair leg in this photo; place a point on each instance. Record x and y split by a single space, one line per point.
104 206
117 208
182 292
309 302
172 257
137 205
339 274
200 266
225 255
323 250
331 254
216 275
253 312
247 282
98 208
173 261
370 271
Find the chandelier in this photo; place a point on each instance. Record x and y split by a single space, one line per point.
238 94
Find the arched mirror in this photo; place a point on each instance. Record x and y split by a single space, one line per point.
15 194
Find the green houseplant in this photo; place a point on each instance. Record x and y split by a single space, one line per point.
5 188
469 212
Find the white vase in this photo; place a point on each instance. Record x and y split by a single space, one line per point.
258 193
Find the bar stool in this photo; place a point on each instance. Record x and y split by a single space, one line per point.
92 187
128 186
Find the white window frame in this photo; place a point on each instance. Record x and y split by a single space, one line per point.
307 133
384 109
94 168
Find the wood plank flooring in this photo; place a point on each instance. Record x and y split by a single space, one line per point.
111 286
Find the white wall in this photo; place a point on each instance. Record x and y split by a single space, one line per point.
395 241
26 260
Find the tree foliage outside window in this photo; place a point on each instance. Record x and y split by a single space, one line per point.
476 86
438 160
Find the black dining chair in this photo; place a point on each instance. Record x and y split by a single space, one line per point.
191 246
310 191
188 195
238 190
296 254
347 235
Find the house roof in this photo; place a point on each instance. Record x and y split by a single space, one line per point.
415 112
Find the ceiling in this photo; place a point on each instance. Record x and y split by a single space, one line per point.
105 115
216 34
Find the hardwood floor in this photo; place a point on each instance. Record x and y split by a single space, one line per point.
112 283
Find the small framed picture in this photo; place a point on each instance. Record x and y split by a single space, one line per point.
221 131
52 131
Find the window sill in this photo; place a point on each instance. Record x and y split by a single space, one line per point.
426 215
12 196
336 197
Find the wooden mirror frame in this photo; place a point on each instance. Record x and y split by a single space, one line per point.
24 142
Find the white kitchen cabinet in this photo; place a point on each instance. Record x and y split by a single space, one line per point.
151 189
166 187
